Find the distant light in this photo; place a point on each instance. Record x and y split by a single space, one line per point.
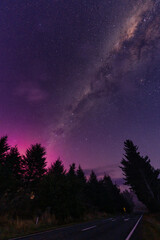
32 196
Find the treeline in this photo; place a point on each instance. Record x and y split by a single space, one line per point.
141 176
28 188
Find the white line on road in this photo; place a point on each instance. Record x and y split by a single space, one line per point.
88 228
39 233
130 234
126 219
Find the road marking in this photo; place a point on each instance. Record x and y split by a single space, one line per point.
85 229
130 234
126 219
48 231
39 233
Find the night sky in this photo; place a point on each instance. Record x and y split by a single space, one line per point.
81 77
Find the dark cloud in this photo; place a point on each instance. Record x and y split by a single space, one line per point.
31 92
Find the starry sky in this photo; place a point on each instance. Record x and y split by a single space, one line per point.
81 77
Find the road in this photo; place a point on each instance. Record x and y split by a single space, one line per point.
117 228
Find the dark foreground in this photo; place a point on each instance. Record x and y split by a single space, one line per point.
117 228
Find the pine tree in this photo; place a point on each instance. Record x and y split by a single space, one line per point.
4 180
140 176
93 190
82 190
93 179
34 163
73 201
53 191
80 175
4 147
14 163
57 169
113 197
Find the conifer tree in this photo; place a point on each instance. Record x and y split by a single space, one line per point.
80 175
4 147
141 176
53 192
34 163
14 163
93 190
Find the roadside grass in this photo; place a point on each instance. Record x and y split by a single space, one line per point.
151 227
12 228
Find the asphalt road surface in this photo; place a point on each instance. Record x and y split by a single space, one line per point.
117 228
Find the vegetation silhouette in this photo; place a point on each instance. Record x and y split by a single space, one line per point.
28 188
141 176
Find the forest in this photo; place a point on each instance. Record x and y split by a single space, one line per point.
29 188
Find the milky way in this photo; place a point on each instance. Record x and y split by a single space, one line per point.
136 46
81 77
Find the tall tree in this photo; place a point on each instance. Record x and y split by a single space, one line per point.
114 201
34 163
13 175
14 163
4 147
53 191
57 169
73 201
82 190
4 181
140 176
93 190
80 175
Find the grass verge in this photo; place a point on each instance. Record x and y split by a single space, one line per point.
151 227
12 228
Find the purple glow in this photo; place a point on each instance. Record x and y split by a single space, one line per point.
81 78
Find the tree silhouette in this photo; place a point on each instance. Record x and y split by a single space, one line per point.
4 173
57 169
82 191
80 175
114 200
34 163
141 176
73 201
93 190
4 147
14 163
54 192
27 188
